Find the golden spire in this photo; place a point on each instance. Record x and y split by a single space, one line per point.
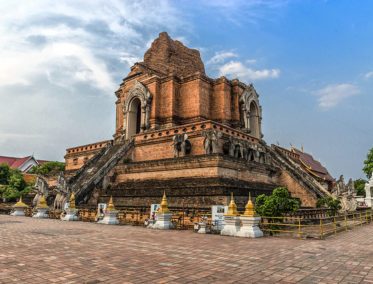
42 202
164 205
72 200
20 203
249 208
110 206
232 208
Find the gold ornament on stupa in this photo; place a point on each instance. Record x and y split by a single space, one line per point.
164 205
232 208
20 203
110 206
42 203
72 201
249 208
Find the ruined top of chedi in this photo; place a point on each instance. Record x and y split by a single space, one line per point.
170 56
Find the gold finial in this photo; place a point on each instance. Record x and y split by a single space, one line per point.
232 208
42 202
249 208
20 203
110 206
72 200
164 205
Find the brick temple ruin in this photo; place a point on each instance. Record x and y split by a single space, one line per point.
195 137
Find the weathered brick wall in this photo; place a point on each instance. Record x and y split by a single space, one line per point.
297 190
76 157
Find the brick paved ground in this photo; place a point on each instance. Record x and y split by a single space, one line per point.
52 251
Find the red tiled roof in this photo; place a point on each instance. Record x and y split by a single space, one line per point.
312 165
19 162
15 162
7 160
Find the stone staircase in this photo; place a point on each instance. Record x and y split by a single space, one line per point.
93 172
297 172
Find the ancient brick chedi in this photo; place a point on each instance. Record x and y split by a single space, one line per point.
195 137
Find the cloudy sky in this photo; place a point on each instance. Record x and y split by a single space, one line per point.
311 62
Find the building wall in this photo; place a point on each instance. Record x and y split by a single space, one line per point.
297 190
76 157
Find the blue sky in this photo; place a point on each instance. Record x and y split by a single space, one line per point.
310 61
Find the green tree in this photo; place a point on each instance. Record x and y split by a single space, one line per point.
359 185
329 202
48 168
368 164
13 185
277 204
4 173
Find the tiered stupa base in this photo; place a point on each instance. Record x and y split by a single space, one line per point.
18 211
250 227
110 218
163 222
71 215
41 213
231 226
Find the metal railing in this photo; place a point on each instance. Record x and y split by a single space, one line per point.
314 228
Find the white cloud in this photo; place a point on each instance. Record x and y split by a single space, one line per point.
221 56
62 61
332 95
236 69
369 75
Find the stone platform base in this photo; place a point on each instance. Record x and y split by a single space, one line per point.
163 222
18 212
110 218
41 213
71 215
231 226
250 227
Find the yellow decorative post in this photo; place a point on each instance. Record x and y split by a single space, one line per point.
164 205
19 208
250 222
72 200
110 206
249 208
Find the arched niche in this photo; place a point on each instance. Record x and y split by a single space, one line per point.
251 112
254 119
134 117
136 110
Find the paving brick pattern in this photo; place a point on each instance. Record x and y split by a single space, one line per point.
52 251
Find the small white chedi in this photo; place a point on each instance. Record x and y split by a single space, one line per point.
42 208
19 208
71 211
250 222
164 216
111 214
231 224
246 225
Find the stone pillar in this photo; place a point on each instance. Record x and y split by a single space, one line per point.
369 192
19 208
